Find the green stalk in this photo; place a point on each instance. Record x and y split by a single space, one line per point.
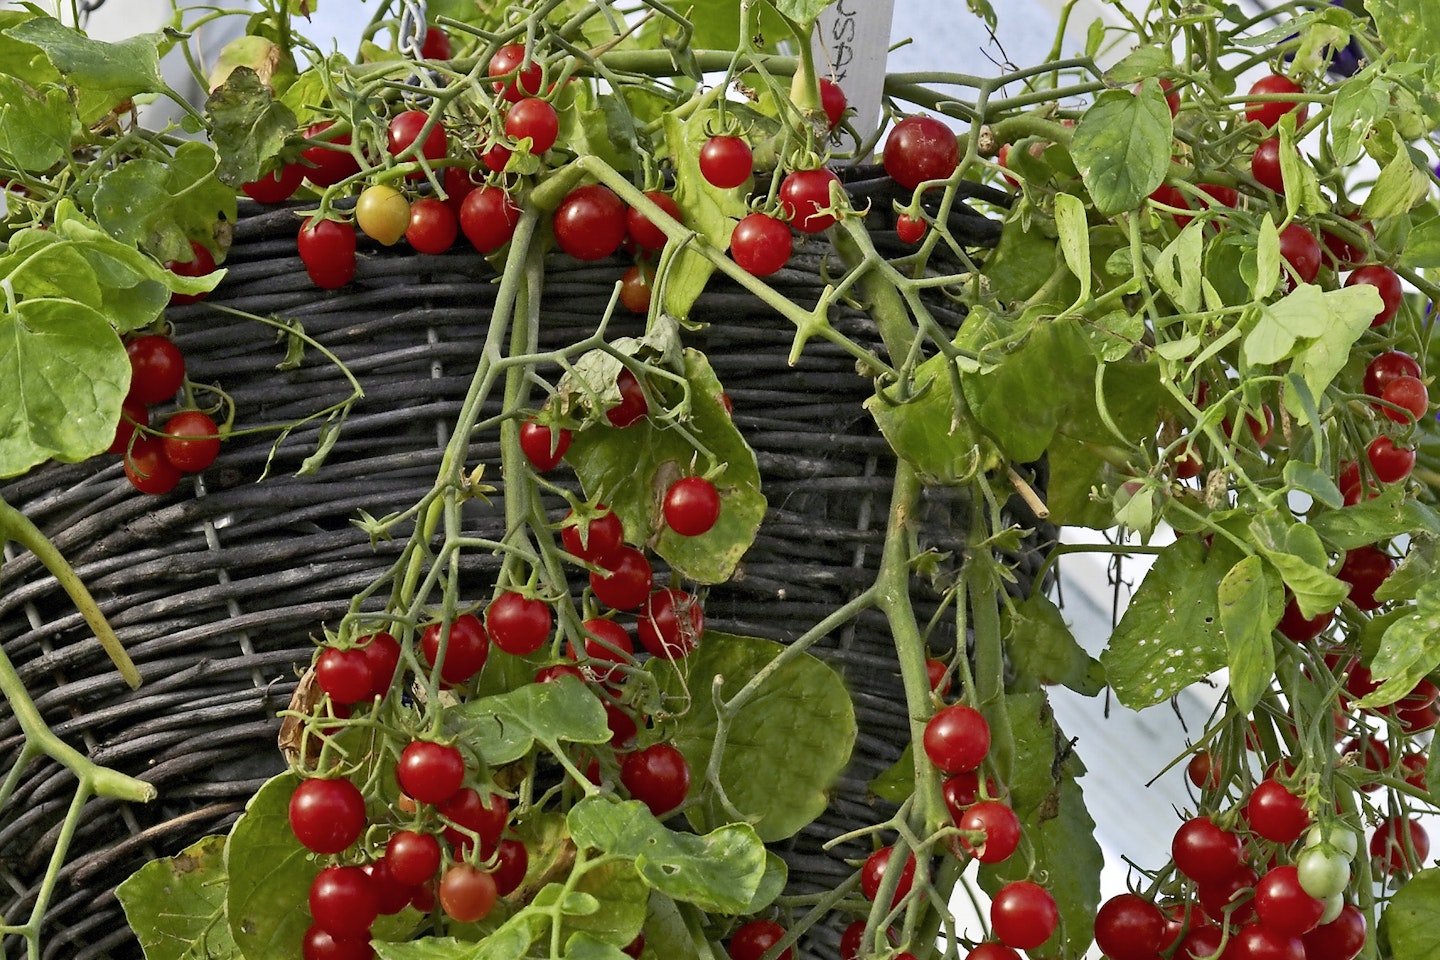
892 584
14 525
38 736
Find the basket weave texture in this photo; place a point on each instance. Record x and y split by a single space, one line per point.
218 588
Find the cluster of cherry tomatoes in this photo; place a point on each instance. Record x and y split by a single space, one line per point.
444 842
187 442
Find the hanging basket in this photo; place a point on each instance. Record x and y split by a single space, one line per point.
219 589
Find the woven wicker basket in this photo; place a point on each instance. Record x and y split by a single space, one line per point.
218 588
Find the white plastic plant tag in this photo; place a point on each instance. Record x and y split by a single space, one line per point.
852 42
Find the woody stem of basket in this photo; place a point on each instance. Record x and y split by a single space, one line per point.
14 525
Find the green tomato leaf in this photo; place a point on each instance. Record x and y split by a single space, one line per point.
270 873
631 469
1140 63
1302 187
1055 823
1022 397
134 288
717 25
1347 313
772 884
605 130
161 207
1409 649
720 871
1251 601
1403 183
607 904
1042 649
1300 475
1024 260
897 783
1359 102
1170 635
1418 567
1267 260
1391 514
444 948
932 428
176 905
1411 921
1175 271
1074 233
801 11
21 60
1121 147
104 74
37 126
248 126
1298 315
582 946
1422 246
1295 550
63 376
787 744
1409 28
505 727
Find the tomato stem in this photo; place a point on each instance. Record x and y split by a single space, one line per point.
14 525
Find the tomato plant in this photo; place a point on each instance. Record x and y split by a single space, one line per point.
594 537
805 199
157 368
691 506
1023 914
344 901
752 939
191 441
406 128
1268 112
1142 251
920 148
413 857
433 225
658 776
1129 927
543 445
276 187
430 772
590 222
957 738
877 865
344 674
726 161
465 647
518 624
534 119
327 249
327 815
521 76
761 244
467 893
383 213
671 623
488 218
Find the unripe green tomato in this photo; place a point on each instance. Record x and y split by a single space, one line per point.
1333 906
1322 871
383 213
1338 835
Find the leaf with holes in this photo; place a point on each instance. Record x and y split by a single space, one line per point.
1170 636
787 744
